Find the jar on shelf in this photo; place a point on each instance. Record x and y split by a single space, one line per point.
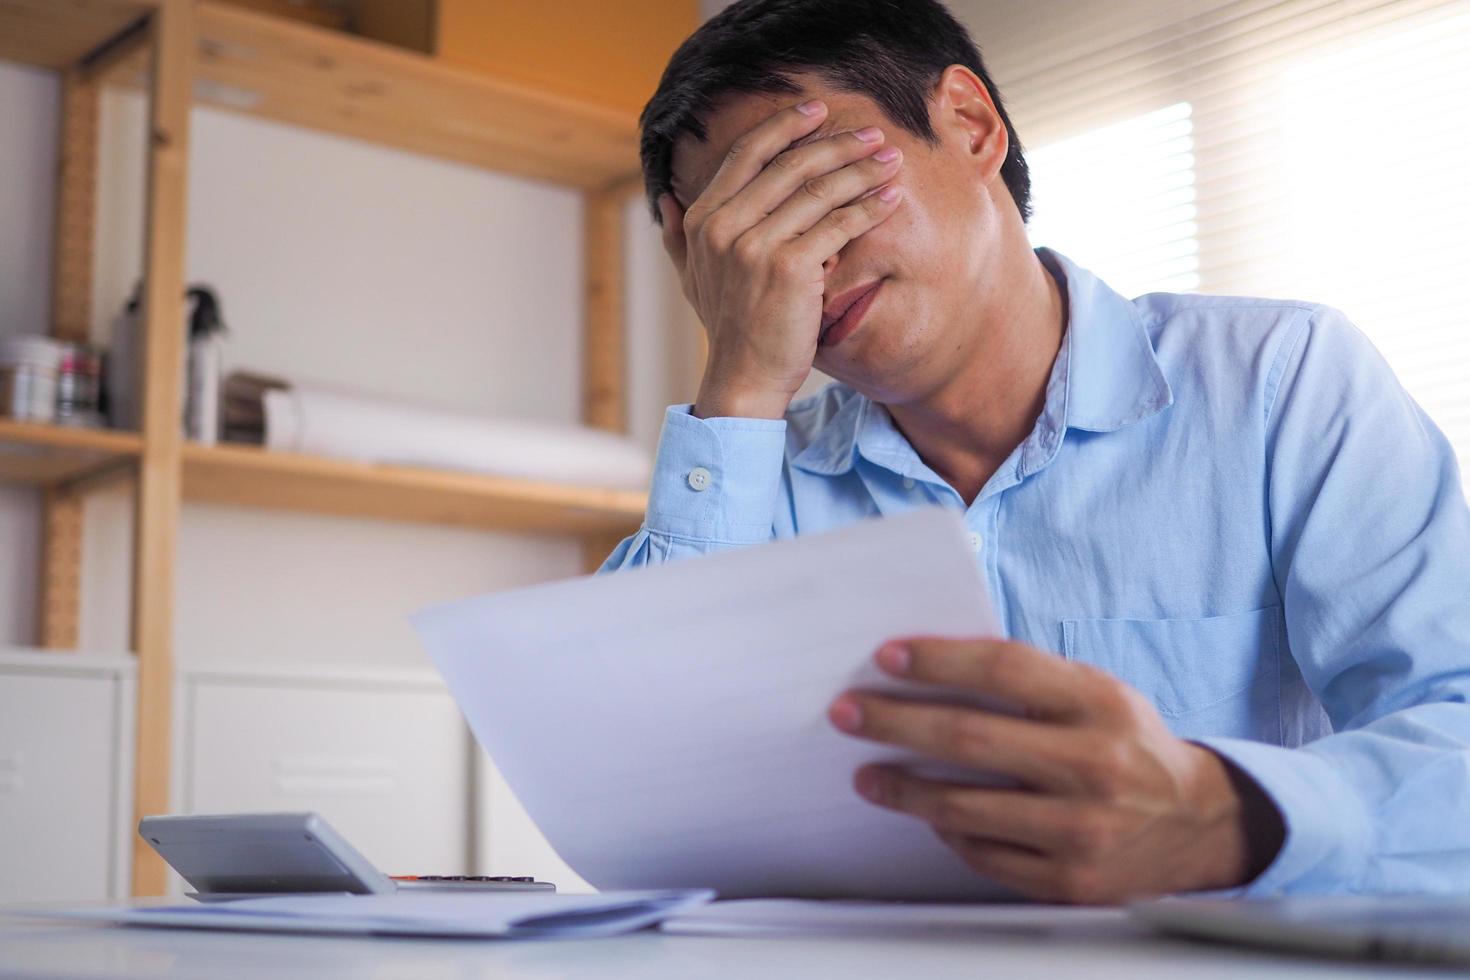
29 366
79 386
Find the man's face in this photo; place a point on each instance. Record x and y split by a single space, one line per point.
933 252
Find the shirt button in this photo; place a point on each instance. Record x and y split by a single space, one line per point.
699 479
908 483
976 542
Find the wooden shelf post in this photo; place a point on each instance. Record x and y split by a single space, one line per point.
71 320
76 207
605 344
160 470
604 357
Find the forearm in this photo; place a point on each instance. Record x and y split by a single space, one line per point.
1370 542
1248 829
717 484
1381 808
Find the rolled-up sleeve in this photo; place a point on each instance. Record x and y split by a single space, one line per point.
1370 543
716 485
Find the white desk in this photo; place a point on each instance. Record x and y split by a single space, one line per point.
45 949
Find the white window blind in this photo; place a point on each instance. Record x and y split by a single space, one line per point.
1143 231
1308 149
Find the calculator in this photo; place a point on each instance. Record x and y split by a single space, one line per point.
247 855
460 883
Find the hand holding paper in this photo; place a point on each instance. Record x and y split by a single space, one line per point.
667 727
1106 804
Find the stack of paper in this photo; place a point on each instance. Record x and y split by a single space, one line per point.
667 727
485 915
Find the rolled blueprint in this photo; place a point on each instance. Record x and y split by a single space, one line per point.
324 421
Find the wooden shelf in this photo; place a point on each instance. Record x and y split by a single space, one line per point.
296 73
61 33
46 455
49 454
321 79
253 477
184 52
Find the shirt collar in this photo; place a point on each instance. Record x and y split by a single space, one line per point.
1114 378
1107 377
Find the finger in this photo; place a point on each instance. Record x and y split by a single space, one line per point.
1036 753
830 235
820 196
1046 824
808 172
1044 684
1016 868
753 151
673 228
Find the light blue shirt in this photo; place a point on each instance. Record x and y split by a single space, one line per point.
1232 505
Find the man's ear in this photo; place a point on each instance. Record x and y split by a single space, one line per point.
965 114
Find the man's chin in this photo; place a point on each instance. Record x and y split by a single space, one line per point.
875 377
853 374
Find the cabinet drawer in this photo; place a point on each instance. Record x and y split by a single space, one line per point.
387 764
65 779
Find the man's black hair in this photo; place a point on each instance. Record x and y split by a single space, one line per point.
892 51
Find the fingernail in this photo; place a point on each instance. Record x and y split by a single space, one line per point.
868 785
870 135
889 193
846 714
886 155
810 108
895 657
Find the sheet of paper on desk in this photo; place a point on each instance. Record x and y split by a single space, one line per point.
666 727
499 915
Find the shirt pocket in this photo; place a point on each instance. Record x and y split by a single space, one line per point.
1207 677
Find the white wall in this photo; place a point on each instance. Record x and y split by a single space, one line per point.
343 262
28 100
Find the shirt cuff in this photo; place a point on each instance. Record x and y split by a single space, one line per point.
1327 828
716 479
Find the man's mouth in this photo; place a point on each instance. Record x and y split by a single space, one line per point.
838 308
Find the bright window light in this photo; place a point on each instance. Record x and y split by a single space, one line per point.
1377 156
1120 200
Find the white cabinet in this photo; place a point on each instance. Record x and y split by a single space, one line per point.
383 756
66 731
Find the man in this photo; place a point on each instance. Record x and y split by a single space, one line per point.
1232 555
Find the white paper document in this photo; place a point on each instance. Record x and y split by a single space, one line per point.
497 915
666 727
